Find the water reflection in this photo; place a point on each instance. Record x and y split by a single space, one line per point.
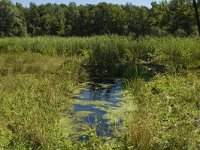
100 91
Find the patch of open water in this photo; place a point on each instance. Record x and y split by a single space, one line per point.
97 99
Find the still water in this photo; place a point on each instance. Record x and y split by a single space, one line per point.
98 99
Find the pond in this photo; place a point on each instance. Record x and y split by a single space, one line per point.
96 101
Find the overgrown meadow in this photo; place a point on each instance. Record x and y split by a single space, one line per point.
40 76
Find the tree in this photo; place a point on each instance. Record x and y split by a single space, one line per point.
137 19
33 20
110 19
182 16
59 26
50 24
175 16
12 21
196 15
82 23
160 18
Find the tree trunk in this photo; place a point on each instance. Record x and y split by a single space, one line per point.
196 15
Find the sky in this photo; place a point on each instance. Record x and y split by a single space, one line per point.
134 2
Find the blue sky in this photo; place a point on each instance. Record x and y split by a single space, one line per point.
135 2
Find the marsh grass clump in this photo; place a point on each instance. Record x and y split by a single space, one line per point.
31 108
167 115
35 91
177 53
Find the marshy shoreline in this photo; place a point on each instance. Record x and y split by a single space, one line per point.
41 76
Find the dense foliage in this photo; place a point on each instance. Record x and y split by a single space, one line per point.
34 92
39 78
166 114
176 17
104 55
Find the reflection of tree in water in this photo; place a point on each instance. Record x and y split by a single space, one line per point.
101 91
95 92
108 94
98 92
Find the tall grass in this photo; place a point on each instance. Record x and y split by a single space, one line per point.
111 55
34 92
39 76
167 115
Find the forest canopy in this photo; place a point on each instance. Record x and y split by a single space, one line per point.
176 17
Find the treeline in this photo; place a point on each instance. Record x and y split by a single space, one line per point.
176 17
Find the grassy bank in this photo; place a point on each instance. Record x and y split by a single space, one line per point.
39 76
167 114
35 90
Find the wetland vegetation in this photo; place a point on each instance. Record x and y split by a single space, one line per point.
40 78
123 89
